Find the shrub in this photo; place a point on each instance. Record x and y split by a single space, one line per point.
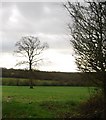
93 107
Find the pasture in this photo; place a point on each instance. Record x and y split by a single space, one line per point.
42 101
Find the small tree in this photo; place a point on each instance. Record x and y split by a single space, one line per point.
30 48
89 35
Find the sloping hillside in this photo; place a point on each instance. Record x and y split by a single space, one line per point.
77 78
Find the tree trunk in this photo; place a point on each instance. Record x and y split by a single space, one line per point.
30 75
104 77
31 83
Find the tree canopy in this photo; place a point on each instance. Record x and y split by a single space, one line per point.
89 34
88 31
30 48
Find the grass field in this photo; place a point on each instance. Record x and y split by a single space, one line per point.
42 101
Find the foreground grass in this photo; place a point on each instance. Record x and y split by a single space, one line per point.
41 102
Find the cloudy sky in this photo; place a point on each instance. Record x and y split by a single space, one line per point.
46 20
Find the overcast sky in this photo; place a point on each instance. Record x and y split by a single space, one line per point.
46 20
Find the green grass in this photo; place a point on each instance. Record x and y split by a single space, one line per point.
42 101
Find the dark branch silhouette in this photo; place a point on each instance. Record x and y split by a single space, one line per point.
88 37
31 48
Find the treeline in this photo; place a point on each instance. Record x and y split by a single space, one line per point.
49 78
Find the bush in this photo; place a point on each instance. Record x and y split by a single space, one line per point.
93 107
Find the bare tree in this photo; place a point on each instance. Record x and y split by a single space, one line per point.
89 35
30 48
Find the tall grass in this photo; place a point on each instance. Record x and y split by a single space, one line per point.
38 82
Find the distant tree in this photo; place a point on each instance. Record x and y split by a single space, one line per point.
88 33
30 48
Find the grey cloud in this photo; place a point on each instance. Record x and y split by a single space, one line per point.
34 17
48 20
